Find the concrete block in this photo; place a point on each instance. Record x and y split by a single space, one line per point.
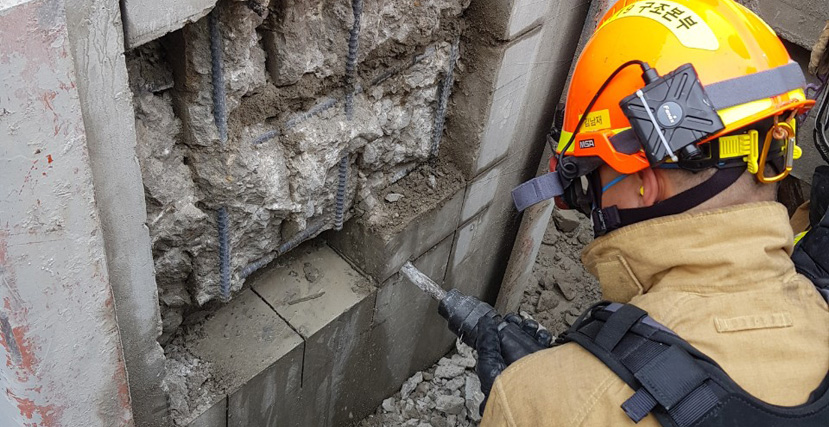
408 334
509 100
146 20
525 14
480 193
799 21
271 397
381 247
63 361
247 343
216 416
331 305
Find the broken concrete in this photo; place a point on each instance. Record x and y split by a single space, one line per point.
277 176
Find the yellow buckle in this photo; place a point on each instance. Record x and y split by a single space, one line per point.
744 145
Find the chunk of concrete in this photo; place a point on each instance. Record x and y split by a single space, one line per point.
333 314
146 20
381 243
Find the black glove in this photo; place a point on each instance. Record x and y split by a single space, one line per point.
501 342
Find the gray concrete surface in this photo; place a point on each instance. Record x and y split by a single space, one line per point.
799 21
407 334
97 45
64 363
330 305
381 243
528 86
146 20
248 344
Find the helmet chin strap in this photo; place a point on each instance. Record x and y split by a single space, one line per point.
611 218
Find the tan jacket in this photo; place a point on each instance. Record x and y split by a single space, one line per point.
720 279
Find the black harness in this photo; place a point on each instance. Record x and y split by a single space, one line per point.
678 384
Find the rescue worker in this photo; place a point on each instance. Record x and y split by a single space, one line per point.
687 227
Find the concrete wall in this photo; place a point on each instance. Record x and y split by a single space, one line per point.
97 46
63 360
283 71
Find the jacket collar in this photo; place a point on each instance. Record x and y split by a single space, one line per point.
723 250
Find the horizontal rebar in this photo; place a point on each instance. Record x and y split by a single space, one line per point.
266 137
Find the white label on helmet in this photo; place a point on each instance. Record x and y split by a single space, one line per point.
683 22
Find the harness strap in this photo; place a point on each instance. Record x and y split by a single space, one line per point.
668 380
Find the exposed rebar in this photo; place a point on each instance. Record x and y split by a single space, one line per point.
265 137
342 175
404 66
351 59
443 98
285 247
219 101
315 110
224 252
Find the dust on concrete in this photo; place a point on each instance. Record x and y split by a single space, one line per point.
421 189
191 383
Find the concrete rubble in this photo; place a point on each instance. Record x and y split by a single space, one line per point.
276 175
447 394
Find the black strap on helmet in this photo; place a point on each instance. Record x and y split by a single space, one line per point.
611 218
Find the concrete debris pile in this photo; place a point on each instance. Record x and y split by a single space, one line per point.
241 128
447 394
561 289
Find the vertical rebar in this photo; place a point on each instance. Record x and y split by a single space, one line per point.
351 59
351 89
224 252
443 98
219 102
341 189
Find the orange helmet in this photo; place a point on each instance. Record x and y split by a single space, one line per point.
728 45
692 83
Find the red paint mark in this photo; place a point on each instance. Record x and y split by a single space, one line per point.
49 158
28 177
47 99
49 414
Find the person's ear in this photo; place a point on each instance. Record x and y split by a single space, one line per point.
649 192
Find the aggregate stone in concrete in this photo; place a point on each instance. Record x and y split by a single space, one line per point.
246 338
380 243
333 313
310 36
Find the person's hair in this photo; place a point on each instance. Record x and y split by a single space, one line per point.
747 189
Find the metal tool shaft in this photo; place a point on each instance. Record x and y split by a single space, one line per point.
423 281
